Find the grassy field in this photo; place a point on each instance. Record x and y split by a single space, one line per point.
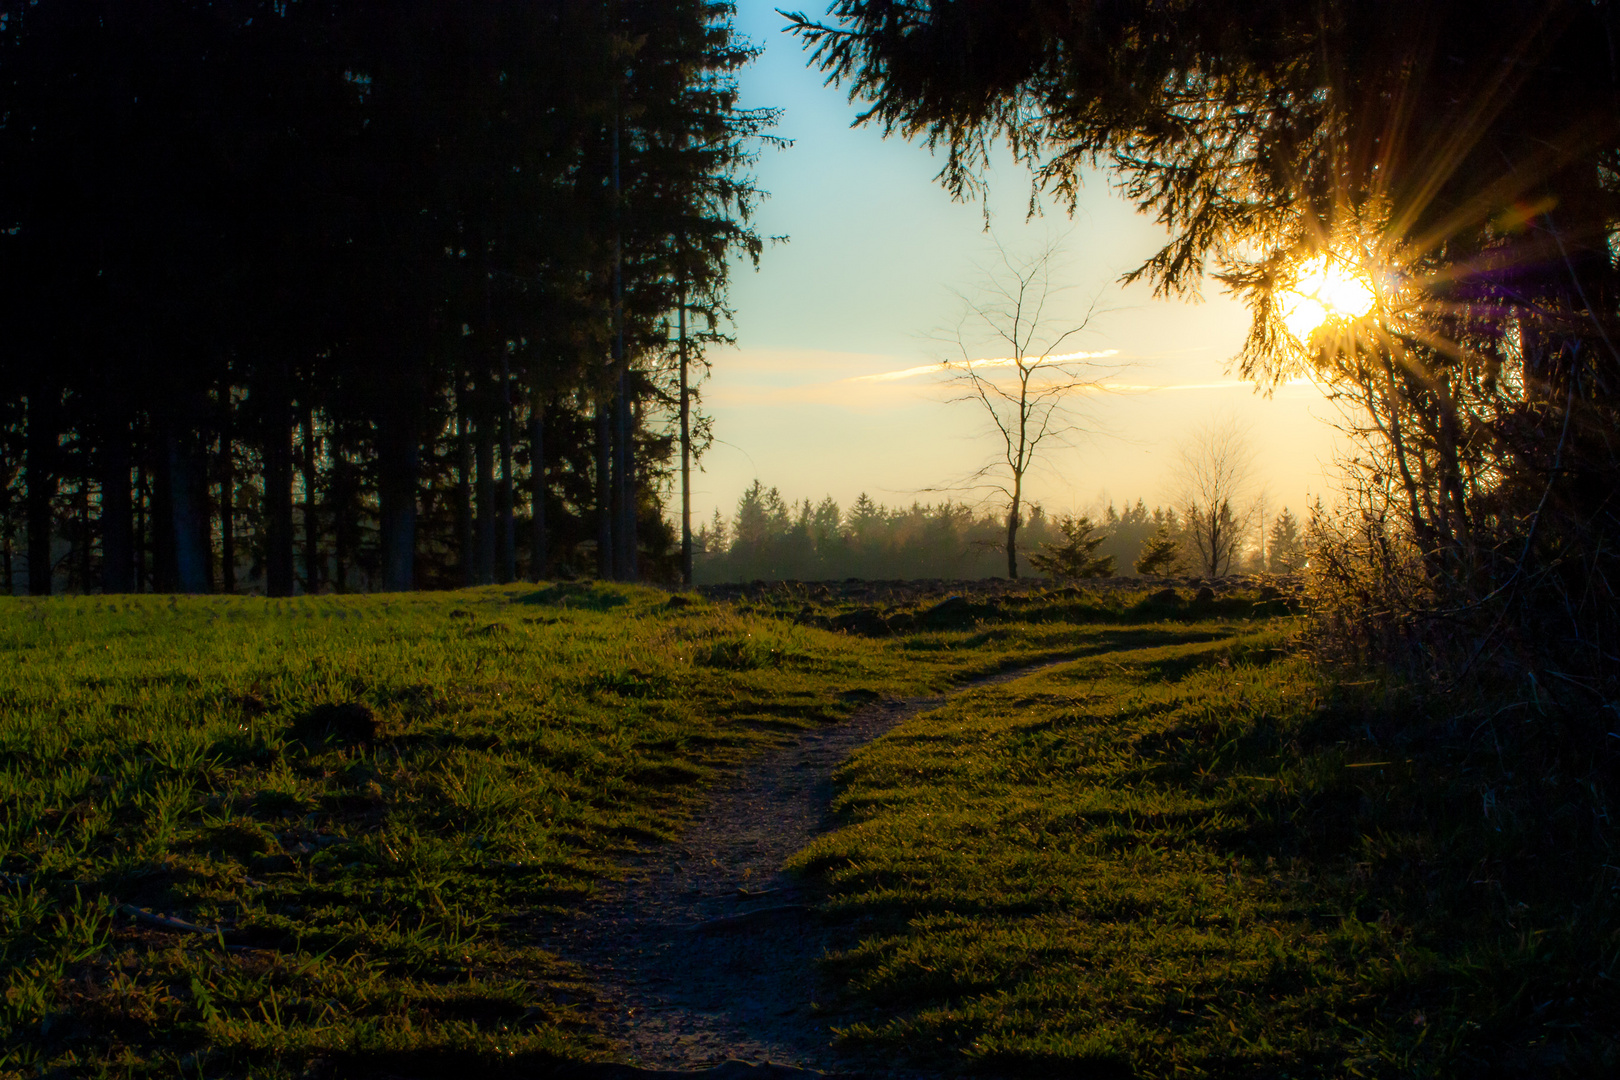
370 803
1184 853
1206 859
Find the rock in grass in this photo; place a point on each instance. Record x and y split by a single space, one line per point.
1165 596
864 621
901 621
345 722
1206 595
954 610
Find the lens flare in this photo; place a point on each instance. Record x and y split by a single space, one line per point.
1325 289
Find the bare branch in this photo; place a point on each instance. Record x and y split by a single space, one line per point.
1029 398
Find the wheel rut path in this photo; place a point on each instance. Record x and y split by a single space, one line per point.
704 955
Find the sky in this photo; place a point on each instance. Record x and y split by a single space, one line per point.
879 263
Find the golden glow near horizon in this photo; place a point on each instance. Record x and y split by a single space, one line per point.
1326 288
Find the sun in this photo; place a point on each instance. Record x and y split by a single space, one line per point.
1326 288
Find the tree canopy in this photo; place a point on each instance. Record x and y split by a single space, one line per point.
357 251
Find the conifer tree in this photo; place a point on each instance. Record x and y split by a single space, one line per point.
1076 556
1286 542
1161 554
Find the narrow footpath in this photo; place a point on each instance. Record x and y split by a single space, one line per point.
705 953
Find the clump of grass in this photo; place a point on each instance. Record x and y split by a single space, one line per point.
1207 859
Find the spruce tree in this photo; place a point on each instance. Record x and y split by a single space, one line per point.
1076 556
1161 554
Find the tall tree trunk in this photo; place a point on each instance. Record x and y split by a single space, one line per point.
625 459
117 561
338 496
202 493
278 502
537 471
85 537
312 517
143 517
508 499
40 464
399 465
1012 529
465 540
189 518
486 500
165 569
624 464
686 455
227 493
604 491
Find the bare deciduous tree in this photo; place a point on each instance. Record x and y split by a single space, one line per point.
1215 472
1027 394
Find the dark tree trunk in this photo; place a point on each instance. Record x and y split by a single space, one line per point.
86 538
188 526
165 569
278 461
227 495
625 462
143 517
615 503
486 500
117 512
604 492
1012 536
465 539
339 495
204 520
399 463
686 456
508 495
41 464
537 469
312 517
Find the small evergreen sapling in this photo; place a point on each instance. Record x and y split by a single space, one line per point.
1076 556
1161 554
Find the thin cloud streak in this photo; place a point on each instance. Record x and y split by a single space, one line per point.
998 361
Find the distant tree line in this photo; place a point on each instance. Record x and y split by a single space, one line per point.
771 539
334 294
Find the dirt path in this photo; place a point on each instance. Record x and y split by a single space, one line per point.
706 952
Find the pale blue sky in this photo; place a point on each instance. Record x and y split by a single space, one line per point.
869 278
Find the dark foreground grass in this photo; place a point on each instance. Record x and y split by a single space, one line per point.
373 803
1205 860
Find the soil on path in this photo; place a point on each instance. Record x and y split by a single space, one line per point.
706 951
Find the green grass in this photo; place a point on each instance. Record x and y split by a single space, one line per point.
376 897
1205 859
1184 852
